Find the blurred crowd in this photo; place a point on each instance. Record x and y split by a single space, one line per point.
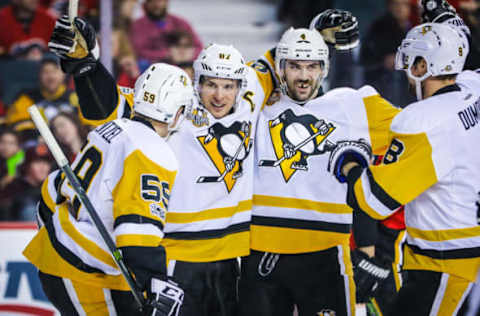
144 32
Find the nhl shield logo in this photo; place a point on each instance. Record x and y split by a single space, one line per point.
226 147
294 139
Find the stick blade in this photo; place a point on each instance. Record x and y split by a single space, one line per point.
267 163
208 179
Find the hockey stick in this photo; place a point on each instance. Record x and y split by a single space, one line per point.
72 10
62 162
222 176
275 163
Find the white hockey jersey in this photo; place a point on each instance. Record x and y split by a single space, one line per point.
128 181
210 206
298 205
432 167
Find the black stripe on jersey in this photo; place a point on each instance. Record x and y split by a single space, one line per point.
300 224
57 184
380 194
43 211
136 219
66 254
210 234
127 111
463 253
352 177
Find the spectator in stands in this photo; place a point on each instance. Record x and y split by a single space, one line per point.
181 50
25 29
52 96
11 156
149 33
69 132
124 61
19 198
470 9
380 45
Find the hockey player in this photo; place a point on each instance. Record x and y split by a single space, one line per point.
301 224
428 167
129 182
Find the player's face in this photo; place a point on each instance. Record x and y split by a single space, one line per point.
8 145
301 77
219 95
418 70
51 77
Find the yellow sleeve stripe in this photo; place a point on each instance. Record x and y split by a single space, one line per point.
138 240
413 170
46 195
380 114
128 195
124 100
445 234
89 246
214 213
362 201
276 201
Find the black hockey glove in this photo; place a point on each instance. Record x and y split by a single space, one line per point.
76 46
165 297
348 151
338 28
437 11
368 274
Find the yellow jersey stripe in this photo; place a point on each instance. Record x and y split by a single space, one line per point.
323 207
91 247
445 234
214 213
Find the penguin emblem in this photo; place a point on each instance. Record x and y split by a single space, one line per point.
226 147
294 139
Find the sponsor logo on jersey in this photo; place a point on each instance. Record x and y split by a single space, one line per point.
226 147
294 139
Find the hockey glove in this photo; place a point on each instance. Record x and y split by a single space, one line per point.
76 46
338 28
368 274
165 298
348 151
437 11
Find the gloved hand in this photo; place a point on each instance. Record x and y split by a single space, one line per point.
76 46
348 151
165 297
338 28
437 11
368 274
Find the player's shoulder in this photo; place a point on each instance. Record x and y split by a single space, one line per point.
469 79
138 140
427 114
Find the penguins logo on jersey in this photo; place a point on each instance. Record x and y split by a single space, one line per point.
294 139
227 147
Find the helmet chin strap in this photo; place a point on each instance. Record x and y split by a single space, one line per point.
418 89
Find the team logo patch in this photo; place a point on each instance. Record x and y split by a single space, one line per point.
294 139
226 147
198 116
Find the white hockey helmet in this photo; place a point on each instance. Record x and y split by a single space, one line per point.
220 61
301 44
443 48
161 91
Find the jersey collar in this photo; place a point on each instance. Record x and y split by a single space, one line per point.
449 88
